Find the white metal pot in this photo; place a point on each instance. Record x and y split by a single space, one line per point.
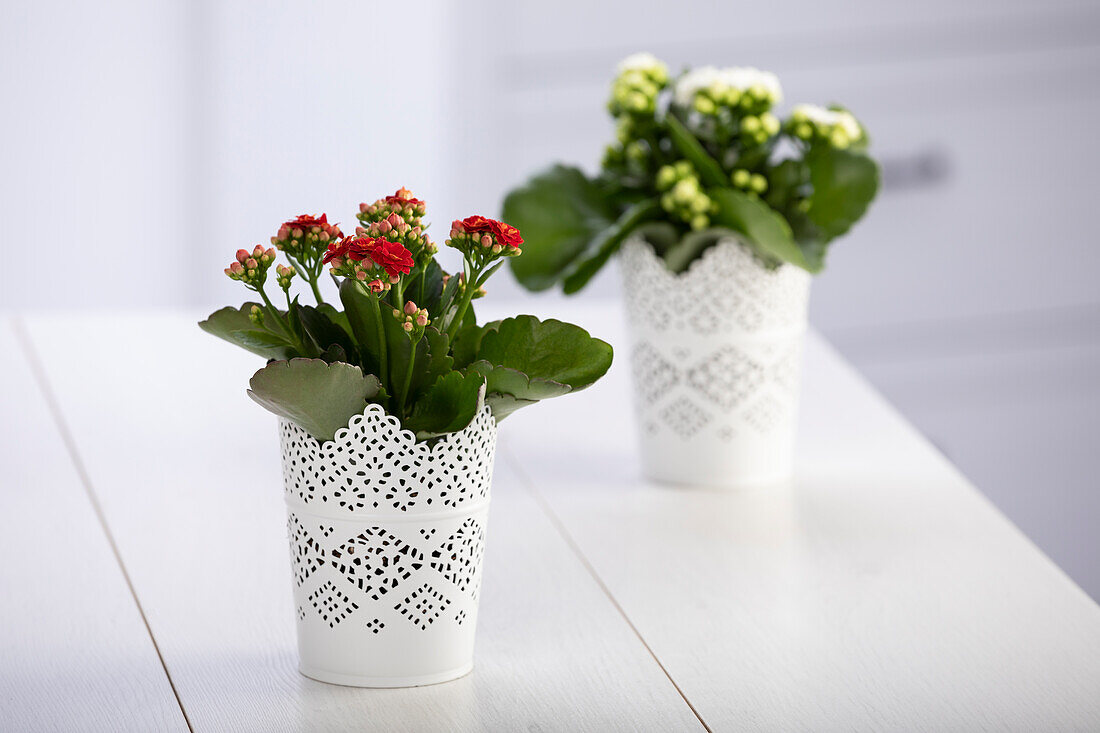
716 361
386 544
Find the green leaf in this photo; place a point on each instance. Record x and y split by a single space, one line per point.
429 289
320 398
365 325
784 182
434 362
559 212
844 184
448 406
233 325
502 383
405 359
710 172
764 228
660 234
550 350
607 243
503 405
691 247
467 341
320 328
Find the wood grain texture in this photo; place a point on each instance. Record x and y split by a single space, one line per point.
188 471
878 591
74 651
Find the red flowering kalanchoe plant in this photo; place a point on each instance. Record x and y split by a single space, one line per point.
407 337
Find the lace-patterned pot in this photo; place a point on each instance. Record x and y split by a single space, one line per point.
716 361
386 543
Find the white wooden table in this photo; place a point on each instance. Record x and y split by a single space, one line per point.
145 583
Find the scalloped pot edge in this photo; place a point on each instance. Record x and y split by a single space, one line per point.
374 467
724 247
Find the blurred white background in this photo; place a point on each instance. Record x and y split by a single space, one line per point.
143 143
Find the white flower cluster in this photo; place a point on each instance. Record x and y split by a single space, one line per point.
838 126
640 79
644 62
741 78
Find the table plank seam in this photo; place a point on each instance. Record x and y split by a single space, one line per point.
54 407
560 527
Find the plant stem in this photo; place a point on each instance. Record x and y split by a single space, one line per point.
275 315
405 384
383 365
316 290
472 274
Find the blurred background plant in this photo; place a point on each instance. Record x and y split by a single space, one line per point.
696 159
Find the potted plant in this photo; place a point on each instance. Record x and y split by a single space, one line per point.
722 211
388 405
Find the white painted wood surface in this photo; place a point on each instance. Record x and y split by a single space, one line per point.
74 652
879 592
187 468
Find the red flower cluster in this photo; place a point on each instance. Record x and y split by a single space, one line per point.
390 256
505 234
315 228
403 196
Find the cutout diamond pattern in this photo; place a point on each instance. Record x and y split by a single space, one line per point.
333 605
423 606
727 377
684 418
305 554
459 558
376 561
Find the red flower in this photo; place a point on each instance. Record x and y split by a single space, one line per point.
391 256
305 222
472 224
403 196
507 234
340 248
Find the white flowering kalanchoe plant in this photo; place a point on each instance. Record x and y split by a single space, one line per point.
696 158
407 338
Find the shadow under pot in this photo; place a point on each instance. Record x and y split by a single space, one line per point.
716 360
386 544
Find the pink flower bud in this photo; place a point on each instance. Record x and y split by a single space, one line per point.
360 275
242 255
422 319
324 236
394 279
385 226
410 308
251 263
360 231
274 240
486 240
270 252
395 220
228 272
236 268
407 326
363 208
258 252
496 249
296 233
